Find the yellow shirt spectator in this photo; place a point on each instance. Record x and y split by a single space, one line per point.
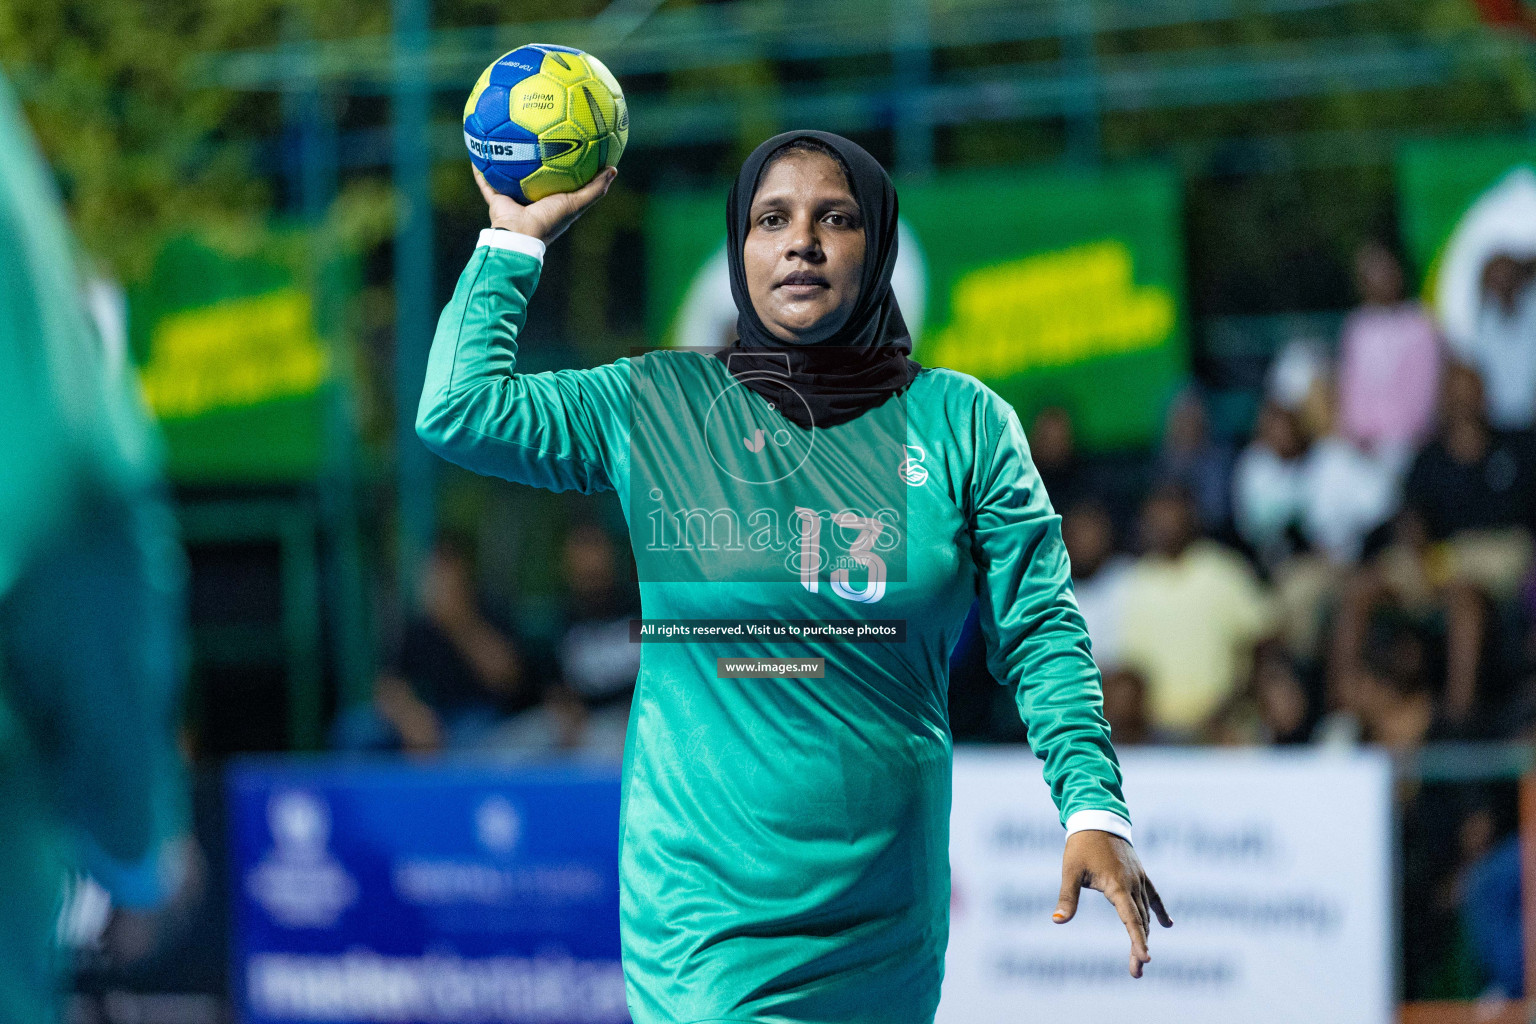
1191 622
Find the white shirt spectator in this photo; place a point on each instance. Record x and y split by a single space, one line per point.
1503 350
1347 494
1268 495
1334 495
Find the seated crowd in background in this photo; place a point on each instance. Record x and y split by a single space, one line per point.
464 678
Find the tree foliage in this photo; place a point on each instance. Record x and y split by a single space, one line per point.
142 146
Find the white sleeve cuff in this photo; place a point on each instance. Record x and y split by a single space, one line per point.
1100 821
513 241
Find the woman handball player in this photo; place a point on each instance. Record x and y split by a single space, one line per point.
784 839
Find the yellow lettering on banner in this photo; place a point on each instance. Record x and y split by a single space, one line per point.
234 354
1052 309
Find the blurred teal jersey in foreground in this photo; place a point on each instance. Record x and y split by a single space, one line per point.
784 851
91 583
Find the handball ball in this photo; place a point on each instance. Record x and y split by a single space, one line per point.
544 119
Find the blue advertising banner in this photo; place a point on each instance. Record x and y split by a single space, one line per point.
372 891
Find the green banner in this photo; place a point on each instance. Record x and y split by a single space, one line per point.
1054 288
233 363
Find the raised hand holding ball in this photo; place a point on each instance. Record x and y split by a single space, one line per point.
546 218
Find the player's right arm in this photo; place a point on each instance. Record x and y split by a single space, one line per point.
560 430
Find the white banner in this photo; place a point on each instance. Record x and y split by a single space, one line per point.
1276 867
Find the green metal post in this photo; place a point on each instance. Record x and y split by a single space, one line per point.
1080 66
911 71
413 286
346 605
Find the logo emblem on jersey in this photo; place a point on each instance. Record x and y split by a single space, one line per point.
912 469
756 442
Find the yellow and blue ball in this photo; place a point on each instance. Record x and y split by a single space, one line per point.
544 119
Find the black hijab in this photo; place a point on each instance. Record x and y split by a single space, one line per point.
866 361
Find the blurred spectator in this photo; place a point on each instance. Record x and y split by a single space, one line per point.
1053 446
1502 348
1276 710
456 675
1462 545
1348 493
1286 713
1472 482
586 711
1329 476
1191 457
1485 896
1491 913
1098 575
1193 613
92 616
1299 380
1389 361
1308 503
1293 494
1125 708
598 663
1283 711
1128 710
1268 487
1390 694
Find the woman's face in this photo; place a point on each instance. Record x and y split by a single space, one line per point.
804 251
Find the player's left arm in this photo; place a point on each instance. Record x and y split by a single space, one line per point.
1037 643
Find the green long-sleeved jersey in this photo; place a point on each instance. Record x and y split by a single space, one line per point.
784 842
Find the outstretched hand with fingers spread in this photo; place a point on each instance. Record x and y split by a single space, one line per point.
1106 862
547 218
